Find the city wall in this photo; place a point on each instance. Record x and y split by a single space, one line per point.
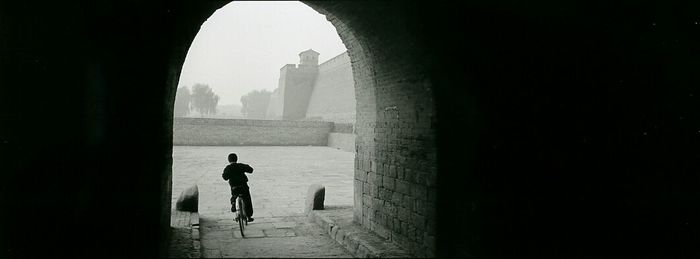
228 132
333 95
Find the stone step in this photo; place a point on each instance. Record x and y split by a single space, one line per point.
360 242
185 238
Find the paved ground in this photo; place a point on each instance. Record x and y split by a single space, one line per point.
278 188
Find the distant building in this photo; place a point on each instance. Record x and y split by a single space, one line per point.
309 91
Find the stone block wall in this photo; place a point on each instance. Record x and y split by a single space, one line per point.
214 132
343 127
395 173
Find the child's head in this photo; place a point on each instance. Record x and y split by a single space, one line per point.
232 158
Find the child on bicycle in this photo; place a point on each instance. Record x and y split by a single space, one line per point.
234 173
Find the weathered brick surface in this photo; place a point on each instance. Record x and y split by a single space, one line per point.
394 123
360 242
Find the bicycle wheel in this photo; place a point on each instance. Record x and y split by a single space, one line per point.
241 214
243 209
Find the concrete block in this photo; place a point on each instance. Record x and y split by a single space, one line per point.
315 197
188 200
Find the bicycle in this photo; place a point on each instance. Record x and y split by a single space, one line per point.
240 214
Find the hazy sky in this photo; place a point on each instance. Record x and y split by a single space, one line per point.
243 45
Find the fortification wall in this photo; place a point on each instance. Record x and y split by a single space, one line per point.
297 83
227 132
274 108
333 95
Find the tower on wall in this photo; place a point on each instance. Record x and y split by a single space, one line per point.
295 86
310 90
308 58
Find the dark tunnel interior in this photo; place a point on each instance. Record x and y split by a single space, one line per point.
565 129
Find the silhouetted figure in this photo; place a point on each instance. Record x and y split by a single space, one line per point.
234 173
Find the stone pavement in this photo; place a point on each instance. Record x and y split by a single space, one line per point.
184 235
278 188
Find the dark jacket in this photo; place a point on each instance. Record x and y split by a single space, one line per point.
234 173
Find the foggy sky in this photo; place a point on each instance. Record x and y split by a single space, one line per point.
242 46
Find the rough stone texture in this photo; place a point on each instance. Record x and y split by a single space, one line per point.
395 127
275 237
181 245
188 200
315 196
184 241
231 132
360 242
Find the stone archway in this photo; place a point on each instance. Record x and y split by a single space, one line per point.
562 114
395 170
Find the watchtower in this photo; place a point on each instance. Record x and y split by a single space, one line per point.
308 58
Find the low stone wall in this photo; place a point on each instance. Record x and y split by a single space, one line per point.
343 128
342 141
236 132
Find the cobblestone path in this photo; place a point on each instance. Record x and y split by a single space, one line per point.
278 188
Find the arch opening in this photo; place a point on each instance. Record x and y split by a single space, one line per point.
293 124
394 181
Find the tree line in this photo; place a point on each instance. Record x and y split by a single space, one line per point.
255 104
201 99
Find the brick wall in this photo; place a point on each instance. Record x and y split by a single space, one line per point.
395 171
214 132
